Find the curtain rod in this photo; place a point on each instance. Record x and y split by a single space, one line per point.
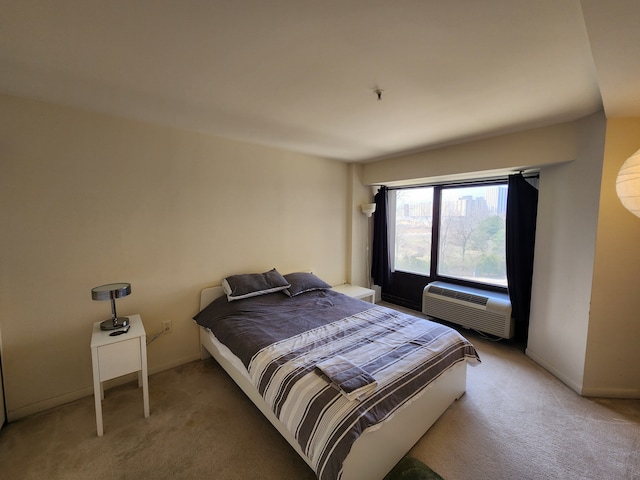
486 180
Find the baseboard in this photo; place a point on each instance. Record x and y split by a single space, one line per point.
631 393
576 387
175 363
27 410
41 406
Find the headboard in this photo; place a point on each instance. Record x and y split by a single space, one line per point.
209 294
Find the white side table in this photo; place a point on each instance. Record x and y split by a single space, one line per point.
114 356
356 292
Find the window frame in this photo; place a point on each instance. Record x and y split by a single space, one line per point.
406 287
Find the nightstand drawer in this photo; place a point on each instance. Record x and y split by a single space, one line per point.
119 359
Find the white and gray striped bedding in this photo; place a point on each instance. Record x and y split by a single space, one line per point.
403 353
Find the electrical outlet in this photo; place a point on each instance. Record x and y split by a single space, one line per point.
167 327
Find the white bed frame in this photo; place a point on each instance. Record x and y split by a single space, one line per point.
379 448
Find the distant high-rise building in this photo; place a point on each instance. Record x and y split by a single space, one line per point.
497 200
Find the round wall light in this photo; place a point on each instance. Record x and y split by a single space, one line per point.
628 184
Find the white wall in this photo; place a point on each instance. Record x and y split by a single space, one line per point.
361 228
88 199
569 195
507 153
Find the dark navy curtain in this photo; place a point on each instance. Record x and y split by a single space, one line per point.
380 263
522 208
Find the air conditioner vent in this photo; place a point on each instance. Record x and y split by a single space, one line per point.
458 295
488 312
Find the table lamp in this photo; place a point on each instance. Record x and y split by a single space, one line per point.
111 291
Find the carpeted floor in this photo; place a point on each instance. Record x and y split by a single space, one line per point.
201 427
518 421
515 421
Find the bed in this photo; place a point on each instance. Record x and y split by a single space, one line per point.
292 331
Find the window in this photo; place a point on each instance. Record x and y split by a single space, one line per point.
450 232
413 229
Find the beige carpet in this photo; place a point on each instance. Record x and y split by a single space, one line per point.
516 421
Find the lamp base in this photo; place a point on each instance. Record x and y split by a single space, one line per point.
112 324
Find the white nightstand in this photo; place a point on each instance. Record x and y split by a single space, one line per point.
116 356
357 292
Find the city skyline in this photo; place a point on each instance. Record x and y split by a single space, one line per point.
490 199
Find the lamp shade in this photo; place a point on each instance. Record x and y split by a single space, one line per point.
111 290
368 209
628 184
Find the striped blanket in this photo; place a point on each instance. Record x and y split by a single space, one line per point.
401 352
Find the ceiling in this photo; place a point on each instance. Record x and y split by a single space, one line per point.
301 75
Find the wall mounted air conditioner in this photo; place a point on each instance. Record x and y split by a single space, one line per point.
487 312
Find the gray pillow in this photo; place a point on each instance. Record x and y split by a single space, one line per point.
301 282
248 285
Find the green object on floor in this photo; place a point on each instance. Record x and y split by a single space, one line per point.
410 468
